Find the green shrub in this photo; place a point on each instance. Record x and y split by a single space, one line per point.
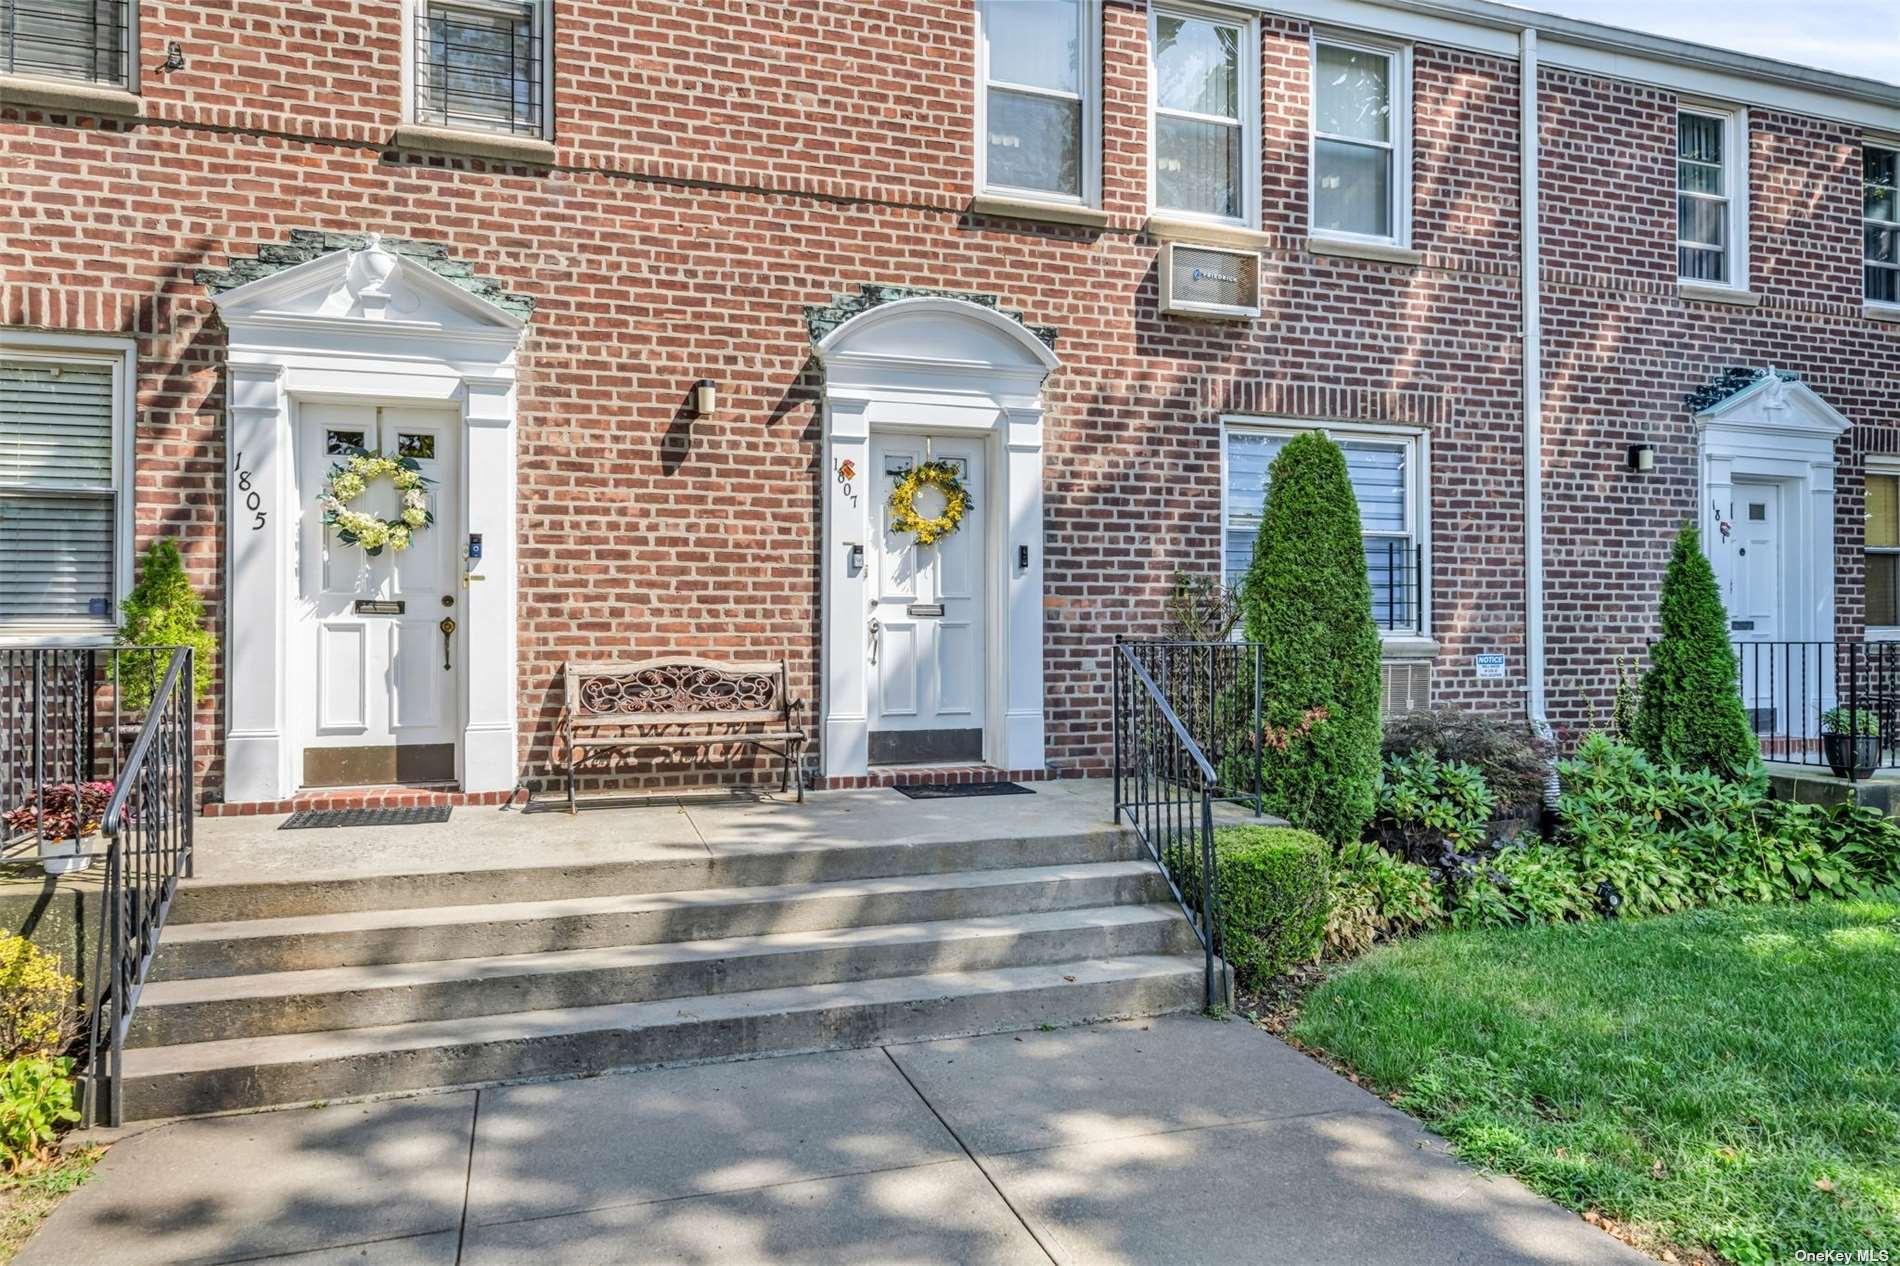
1308 603
1503 749
1860 722
1865 843
1433 812
1376 896
36 1098
1527 881
39 1004
1270 888
161 610
1690 713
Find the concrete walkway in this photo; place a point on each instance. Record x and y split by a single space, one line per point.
1179 1140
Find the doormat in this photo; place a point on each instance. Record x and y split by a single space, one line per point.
310 819
951 791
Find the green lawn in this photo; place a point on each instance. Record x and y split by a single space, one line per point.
1727 1078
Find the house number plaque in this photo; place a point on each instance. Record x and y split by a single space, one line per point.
378 606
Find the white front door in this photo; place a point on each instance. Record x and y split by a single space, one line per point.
374 674
1755 582
927 636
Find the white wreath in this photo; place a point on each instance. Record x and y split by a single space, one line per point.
350 478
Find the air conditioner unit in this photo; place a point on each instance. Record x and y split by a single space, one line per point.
1209 281
1405 685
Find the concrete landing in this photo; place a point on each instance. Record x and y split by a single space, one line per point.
1179 1139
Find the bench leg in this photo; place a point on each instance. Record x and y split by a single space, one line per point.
798 772
570 783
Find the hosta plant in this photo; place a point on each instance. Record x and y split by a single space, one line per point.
1375 897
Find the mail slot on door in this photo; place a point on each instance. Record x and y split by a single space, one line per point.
377 606
917 609
1741 626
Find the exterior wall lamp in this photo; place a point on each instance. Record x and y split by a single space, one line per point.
1642 458
705 397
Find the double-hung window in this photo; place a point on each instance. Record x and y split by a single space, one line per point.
1361 155
1881 164
1041 100
63 455
1882 544
1203 85
66 39
1387 469
479 66
1711 198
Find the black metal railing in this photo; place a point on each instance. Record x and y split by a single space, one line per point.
1789 688
1396 569
1166 782
65 39
78 784
479 68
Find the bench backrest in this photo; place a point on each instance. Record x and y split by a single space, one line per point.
675 689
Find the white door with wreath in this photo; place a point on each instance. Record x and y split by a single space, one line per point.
376 631
926 639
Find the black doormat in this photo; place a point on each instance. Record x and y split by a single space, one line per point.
951 791
308 819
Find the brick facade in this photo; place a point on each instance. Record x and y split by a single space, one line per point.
722 165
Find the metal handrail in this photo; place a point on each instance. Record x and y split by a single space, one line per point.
1161 700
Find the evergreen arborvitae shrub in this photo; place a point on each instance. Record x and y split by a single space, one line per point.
162 610
1690 712
1307 601
1272 891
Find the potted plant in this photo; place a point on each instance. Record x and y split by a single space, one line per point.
1851 739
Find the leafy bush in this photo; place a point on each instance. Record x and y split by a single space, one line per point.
36 1098
1504 750
1433 812
1691 713
162 610
1200 608
1307 601
1270 887
1376 896
1865 843
1860 722
1527 881
39 1004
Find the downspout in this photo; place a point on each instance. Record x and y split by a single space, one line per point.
1533 390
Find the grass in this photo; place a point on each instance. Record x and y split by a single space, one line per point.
26 1199
1726 1079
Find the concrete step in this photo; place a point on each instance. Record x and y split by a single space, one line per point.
213 902
163 1081
173 1012
372 937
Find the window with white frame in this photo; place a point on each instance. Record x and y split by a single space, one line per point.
62 422
1881 164
1386 469
66 39
1203 71
1041 99
479 65
1881 541
1711 202
1360 158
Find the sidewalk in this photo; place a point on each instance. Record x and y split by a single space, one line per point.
1179 1140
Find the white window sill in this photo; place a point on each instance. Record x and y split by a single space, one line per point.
449 140
1175 229
76 96
1878 633
1405 646
1014 208
1383 252
1882 312
1707 293
64 636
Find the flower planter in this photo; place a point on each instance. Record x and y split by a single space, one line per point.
1852 755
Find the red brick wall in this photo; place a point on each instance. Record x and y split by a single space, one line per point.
722 165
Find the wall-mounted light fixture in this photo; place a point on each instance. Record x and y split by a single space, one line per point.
705 396
174 56
1642 458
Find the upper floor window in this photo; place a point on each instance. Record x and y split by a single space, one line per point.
1882 166
63 451
1360 156
1204 73
1711 208
1040 100
66 39
1386 467
480 65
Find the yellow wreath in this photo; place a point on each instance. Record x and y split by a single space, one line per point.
956 502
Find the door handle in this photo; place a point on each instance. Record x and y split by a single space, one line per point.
873 638
447 625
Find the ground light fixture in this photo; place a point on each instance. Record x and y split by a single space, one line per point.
1642 458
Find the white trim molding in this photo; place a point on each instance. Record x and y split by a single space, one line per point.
371 326
944 366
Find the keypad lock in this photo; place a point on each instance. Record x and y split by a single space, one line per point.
447 625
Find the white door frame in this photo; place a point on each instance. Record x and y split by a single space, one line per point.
376 328
1779 432
947 367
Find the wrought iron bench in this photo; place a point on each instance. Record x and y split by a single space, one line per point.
681 701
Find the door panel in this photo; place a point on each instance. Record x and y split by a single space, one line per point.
343 674
1755 599
928 641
